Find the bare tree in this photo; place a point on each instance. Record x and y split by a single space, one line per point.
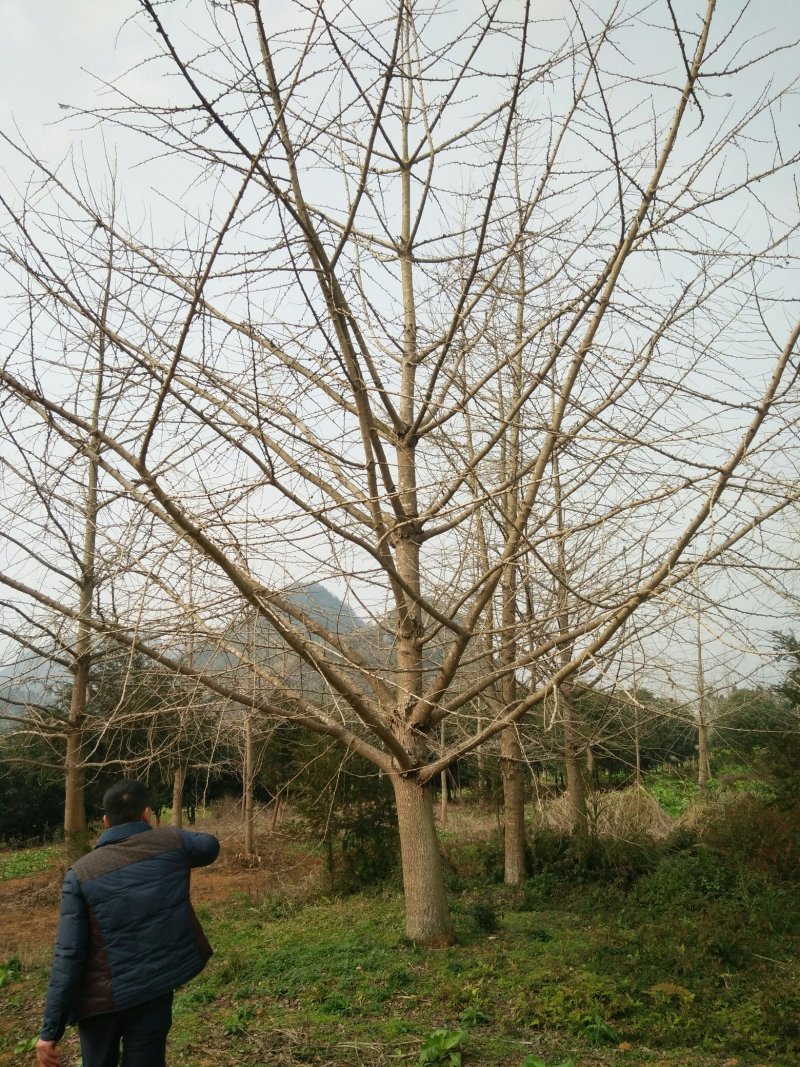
310 369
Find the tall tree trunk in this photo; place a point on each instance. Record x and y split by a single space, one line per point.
574 770
484 785
576 793
514 802
510 748
75 832
703 759
177 796
427 913
638 746
443 804
247 798
74 773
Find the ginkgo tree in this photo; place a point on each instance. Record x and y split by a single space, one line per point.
479 315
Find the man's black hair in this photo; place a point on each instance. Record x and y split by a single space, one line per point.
125 801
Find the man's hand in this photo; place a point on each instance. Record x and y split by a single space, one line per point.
47 1054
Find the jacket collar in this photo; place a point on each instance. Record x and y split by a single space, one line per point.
120 832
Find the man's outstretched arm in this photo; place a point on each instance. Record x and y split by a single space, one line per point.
202 848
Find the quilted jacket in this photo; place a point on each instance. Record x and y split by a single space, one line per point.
127 931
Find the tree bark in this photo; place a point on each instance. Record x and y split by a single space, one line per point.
576 781
247 799
75 834
514 801
177 796
703 760
74 774
427 914
638 747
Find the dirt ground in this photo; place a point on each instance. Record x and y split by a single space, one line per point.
29 906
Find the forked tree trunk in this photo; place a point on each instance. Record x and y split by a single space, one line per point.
177 796
514 805
427 913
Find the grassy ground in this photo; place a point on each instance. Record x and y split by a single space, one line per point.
692 962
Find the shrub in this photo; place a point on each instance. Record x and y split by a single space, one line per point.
351 809
586 860
765 835
484 915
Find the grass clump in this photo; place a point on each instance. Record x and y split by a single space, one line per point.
27 861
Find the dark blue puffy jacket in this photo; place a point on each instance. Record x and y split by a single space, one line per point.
127 931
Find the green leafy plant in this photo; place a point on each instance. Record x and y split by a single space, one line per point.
237 1023
473 1017
442 1047
484 915
27 1044
598 1031
26 862
9 971
537 1061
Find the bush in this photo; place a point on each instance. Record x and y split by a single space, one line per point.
584 861
690 881
472 862
351 810
484 915
761 834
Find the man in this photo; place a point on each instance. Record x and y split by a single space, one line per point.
127 936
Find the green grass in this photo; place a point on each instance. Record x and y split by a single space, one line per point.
694 964
27 861
675 793
336 983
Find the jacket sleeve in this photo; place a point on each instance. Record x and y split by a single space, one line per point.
202 848
70 952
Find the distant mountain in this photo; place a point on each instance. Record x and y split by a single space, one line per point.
325 607
31 679
28 679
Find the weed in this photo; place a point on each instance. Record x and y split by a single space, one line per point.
442 1047
25 863
484 915
473 1017
238 1022
674 793
9 971
537 1061
598 1031
26 1044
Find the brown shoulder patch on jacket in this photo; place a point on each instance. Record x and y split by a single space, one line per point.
134 849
